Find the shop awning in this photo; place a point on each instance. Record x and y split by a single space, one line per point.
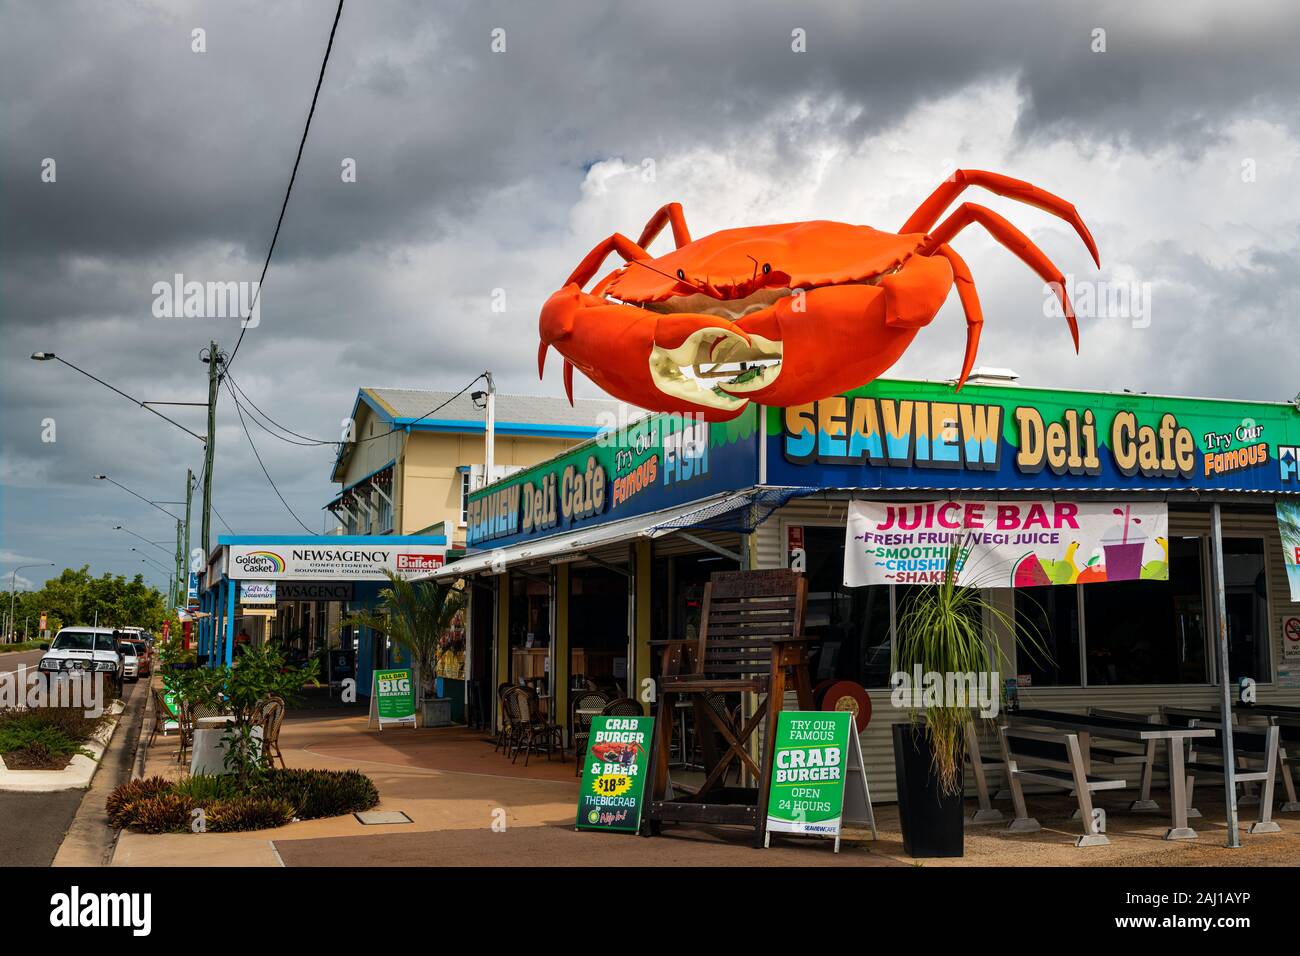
740 512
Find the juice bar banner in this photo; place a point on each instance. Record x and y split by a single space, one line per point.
927 435
1006 543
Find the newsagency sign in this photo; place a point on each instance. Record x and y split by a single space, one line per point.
322 561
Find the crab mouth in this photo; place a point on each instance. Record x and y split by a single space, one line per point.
716 367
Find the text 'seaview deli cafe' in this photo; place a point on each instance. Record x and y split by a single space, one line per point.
1088 515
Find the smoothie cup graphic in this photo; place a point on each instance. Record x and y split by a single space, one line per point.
1123 548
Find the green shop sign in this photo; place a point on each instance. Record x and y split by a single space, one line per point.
393 698
649 464
614 774
928 435
818 781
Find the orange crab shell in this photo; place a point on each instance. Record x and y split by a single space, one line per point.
803 254
781 314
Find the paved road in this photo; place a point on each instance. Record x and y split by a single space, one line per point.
33 825
10 662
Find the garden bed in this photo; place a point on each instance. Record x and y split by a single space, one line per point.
273 799
46 738
52 748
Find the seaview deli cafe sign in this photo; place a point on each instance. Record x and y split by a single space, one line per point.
1006 543
927 435
325 561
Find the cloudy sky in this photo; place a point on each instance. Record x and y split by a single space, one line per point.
1174 127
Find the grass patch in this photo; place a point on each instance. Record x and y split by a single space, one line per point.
20 646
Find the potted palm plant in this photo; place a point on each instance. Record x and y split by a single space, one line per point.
415 615
942 631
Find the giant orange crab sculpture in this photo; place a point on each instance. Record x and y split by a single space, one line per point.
783 314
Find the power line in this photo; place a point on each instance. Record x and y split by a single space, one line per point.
306 439
292 176
249 435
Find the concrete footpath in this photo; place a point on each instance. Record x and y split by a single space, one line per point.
469 806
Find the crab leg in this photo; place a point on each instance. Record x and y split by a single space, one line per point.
928 213
970 304
588 267
1013 239
671 213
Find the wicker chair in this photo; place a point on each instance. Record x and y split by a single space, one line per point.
504 733
581 723
270 716
623 707
532 732
189 713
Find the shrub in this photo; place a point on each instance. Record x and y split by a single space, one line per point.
321 793
159 805
165 812
205 788
119 801
248 813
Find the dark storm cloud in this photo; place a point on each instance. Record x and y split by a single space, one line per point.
172 161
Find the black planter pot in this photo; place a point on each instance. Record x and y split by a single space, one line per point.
931 819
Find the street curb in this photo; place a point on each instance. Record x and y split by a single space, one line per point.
90 842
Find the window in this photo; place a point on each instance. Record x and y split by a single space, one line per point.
1149 632
1047 619
464 496
1245 584
853 624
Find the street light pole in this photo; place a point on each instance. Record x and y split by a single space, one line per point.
13 585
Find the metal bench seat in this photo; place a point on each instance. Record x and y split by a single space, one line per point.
1053 758
1261 747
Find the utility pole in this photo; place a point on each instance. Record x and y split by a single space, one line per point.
189 498
180 557
214 358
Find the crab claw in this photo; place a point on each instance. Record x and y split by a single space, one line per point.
811 365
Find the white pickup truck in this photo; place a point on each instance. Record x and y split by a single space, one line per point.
86 650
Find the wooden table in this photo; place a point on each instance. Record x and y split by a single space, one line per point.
1133 731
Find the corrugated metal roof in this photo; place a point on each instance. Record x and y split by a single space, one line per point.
409 403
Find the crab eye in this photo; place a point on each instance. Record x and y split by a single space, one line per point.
767 267
681 274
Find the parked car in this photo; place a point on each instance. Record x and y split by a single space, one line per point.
83 650
144 655
130 661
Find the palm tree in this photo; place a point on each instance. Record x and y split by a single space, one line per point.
414 615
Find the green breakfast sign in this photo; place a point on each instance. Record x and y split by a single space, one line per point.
393 698
614 772
818 781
